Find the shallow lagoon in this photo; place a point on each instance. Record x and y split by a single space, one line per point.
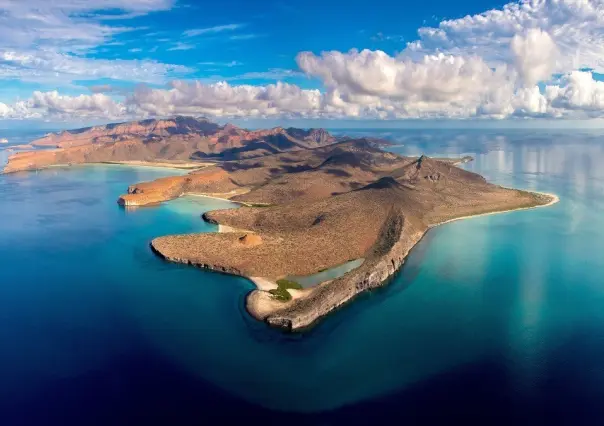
497 318
307 281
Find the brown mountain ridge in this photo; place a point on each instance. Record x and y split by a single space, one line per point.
174 139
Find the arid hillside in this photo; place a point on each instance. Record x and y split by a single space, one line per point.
175 139
301 175
314 217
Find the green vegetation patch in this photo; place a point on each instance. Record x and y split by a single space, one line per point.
281 293
287 284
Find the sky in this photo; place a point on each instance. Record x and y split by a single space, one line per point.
340 61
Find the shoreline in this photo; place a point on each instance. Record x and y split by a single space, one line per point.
310 305
194 194
186 194
185 167
554 200
158 164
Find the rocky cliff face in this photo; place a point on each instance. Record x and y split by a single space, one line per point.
397 238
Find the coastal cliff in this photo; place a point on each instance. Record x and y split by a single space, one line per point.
396 241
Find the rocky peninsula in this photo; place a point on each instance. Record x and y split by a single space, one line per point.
309 203
345 202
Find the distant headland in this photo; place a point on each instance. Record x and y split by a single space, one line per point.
309 202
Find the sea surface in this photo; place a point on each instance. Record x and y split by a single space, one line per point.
492 320
19 137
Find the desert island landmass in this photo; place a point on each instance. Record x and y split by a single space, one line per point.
309 202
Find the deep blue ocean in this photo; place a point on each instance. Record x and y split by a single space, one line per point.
495 320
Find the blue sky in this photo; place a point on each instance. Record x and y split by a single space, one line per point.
106 60
241 39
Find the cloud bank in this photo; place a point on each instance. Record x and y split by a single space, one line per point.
527 60
577 94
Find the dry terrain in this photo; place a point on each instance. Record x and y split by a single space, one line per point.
322 208
179 139
309 202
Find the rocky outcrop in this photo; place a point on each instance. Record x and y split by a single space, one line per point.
315 137
250 240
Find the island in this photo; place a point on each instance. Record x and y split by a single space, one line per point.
309 203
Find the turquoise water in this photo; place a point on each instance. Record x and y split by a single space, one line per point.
326 275
18 137
494 319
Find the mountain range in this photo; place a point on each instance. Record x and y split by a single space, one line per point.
172 139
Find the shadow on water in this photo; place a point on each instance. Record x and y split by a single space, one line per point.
170 396
472 394
480 393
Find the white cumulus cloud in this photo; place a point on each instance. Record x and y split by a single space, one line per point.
396 86
576 27
222 99
535 55
579 92
527 59
576 95
95 105
5 110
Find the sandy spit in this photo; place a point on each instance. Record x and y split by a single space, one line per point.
554 199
